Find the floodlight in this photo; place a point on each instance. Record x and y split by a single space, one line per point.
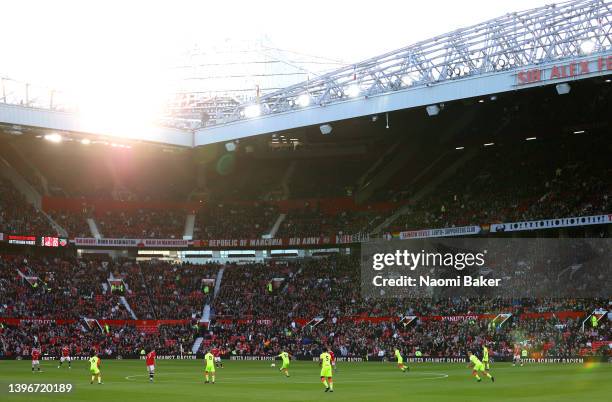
353 91
587 46
252 111
53 137
325 129
304 100
563 89
432 110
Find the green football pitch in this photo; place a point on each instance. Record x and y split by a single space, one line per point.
127 380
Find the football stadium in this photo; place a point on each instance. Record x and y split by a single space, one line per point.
430 221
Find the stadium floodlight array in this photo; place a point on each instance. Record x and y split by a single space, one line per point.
515 40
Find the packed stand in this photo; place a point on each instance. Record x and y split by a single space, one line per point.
126 340
57 288
18 216
148 224
172 290
536 181
432 338
297 305
74 223
312 222
235 221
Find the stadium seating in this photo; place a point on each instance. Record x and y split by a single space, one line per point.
262 308
167 224
74 223
17 216
235 221
534 181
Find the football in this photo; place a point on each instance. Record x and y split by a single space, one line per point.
273 365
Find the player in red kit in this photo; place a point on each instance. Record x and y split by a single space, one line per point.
517 355
333 359
217 353
35 359
65 357
150 361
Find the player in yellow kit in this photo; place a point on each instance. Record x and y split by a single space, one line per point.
485 356
94 368
400 361
478 367
210 367
285 368
326 371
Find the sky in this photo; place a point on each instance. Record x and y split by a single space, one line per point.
98 49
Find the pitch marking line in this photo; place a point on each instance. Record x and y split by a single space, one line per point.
422 375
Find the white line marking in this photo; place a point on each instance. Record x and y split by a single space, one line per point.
263 379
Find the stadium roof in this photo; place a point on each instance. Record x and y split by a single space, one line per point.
513 42
482 59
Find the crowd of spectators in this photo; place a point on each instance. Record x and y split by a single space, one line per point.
80 338
235 221
312 222
70 288
63 288
330 289
18 216
328 177
74 223
536 181
151 224
261 289
353 338
174 290
297 305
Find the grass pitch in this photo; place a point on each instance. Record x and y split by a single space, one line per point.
127 380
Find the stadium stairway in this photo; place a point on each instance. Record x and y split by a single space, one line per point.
29 192
287 179
394 160
205 314
58 228
93 228
387 167
368 174
27 163
189 227
206 311
205 319
196 344
218 282
127 307
431 185
274 229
